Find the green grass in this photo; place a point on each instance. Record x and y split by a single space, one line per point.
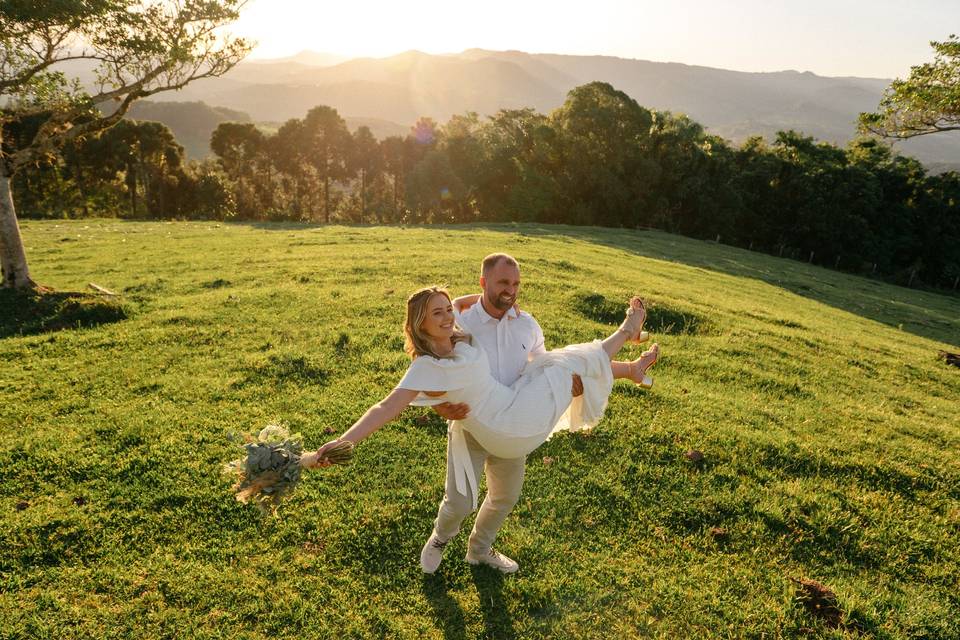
829 428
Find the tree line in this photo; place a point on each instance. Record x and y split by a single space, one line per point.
599 159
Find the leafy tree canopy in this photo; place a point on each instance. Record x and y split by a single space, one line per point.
137 47
928 101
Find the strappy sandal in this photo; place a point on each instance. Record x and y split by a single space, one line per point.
646 382
633 326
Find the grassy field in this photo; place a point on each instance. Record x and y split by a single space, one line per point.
829 429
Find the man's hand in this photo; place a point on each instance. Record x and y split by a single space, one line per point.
577 386
450 411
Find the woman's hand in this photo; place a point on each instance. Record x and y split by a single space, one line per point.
320 460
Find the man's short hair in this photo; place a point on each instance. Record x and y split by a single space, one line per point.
494 259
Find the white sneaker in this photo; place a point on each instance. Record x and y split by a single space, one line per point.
432 553
495 559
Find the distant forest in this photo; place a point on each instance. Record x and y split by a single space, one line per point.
599 159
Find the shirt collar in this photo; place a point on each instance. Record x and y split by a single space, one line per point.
486 317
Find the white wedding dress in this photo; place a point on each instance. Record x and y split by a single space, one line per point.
510 422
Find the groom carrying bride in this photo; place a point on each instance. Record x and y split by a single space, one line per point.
503 392
509 339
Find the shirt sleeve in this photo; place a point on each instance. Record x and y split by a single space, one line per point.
539 345
464 319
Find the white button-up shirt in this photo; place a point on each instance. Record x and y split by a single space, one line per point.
508 342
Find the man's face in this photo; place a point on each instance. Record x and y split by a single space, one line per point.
501 285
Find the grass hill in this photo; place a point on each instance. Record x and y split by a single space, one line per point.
828 428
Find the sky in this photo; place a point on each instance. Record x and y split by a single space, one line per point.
872 38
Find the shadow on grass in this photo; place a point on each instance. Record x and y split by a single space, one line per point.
661 319
924 313
283 369
24 313
496 615
446 611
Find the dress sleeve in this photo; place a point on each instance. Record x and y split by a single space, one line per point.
429 374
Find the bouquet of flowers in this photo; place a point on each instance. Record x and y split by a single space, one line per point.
273 464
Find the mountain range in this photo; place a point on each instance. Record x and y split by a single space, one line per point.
391 93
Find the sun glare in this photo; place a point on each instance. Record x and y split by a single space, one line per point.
750 35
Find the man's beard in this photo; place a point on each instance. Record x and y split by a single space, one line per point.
504 302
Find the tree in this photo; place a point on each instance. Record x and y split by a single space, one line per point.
287 151
328 148
240 149
928 101
147 154
604 136
139 48
434 192
517 180
399 157
367 162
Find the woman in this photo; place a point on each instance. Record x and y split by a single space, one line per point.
508 421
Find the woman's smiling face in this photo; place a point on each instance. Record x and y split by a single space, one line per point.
438 323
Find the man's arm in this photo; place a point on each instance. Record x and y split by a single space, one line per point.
462 303
451 411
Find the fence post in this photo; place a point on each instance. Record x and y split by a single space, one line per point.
912 274
836 265
955 281
718 238
781 251
750 248
811 258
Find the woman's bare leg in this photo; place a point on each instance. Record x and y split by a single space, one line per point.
636 369
628 330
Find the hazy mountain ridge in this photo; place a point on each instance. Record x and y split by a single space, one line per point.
401 88
191 122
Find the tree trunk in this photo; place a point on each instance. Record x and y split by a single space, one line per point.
326 199
13 259
396 199
81 190
363 194
131 179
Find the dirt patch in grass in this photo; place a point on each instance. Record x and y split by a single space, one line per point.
33 312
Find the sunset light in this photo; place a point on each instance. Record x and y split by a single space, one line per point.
828 38
434 319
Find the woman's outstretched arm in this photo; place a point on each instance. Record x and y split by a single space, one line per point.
376 416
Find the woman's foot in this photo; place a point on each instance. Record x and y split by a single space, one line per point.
638 367
633 323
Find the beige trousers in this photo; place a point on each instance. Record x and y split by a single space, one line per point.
504 481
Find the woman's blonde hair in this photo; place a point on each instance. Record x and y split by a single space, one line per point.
417 342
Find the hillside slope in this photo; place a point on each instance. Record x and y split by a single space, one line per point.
827 424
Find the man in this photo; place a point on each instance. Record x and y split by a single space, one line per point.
509 339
